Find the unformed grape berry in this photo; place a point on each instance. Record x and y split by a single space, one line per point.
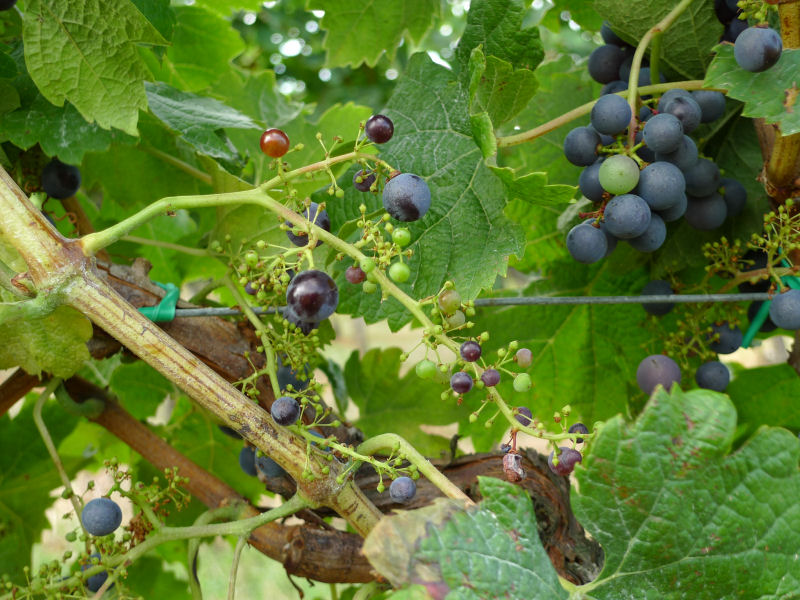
490 377
449 301
522 382
567 459
524 357
470 351
363 181
379 129
523 415
425 369
285 410
461 382
355 275
402 490
101 516
274 143
399 272
578 428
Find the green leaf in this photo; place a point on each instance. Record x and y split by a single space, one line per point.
147 578
226 8
382 397
198 119
498 89
9 97
687 44
464 236
534 189
160 15
86 53
140 388
766 396
678 516
483 133
256 95
360 32
203 46
54 343
27 477
491 550
580 11
498 25
771 95
582 356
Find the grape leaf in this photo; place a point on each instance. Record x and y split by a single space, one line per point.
407 402
497 88
147 578
498 25
140 388
27 478
770 95
687 44
464 236
160 15
256 95
580 11
227 8
378 26
203 46
581 355
86 53
491 550
198 119
766 396
678 516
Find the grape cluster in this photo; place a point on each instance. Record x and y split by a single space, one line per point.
640 188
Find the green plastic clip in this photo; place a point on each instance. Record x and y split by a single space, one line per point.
164 311
763 311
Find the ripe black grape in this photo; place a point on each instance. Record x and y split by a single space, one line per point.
713 376
733 30
315 214
268 467
657 287
751 261
589 182
379 129
706 213
580 146
285 410
312 296
653 237
402 490
757 49
609 37
490 377
767 326
611 114
586 243
657 369
578 428
644 152
461 382
567 459
661 184
730 338
614 87
785 310
712 104
702 179
687 111
663 133
669 95
604 63
59 180
734 194
7 4
685 157
673 213
627 216
363 181
247 460
101 516
470 351
406 197
96 581
523 415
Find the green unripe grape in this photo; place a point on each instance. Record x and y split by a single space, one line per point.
619 174
380 488
473 417
367 265
449 301
372 276
369 287
401 237
522 382
340 193
399 272
457 319
426 369
251 258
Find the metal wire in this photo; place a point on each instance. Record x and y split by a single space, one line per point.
532 301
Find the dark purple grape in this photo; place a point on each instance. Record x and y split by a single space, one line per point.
379 129
60 180
101 516
614 87
587 244
734 194
757 49
687 110
685 157
657 370
669 95
751 261
604 63
315 214
785 310
461 382
712 104
567 459
627 216
355 275
312 296
366 181
652 238
96 581
611 114
523 415
470 351
580 146
609 37
733 30
285 410
578 428
589 182
268 467
724 13
406 197
490 377
645 153
250 289
702 179
7 4
661 185
402 490
706 213
673 213
663 133
305 327
658 287
247 460
767 326
713 376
